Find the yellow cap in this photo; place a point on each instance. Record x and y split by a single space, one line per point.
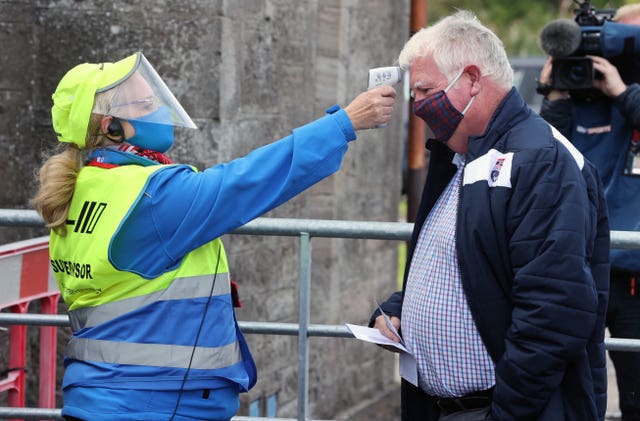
75 94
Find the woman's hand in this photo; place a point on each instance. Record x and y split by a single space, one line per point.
372 108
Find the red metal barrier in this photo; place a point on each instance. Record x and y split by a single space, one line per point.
25 276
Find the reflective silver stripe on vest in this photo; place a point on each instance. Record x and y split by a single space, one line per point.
179 289
159 355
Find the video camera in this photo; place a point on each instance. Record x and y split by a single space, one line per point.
591 32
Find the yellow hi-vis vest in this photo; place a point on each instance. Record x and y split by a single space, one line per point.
136 332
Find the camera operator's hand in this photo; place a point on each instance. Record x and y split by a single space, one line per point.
545 73
610 83
545 80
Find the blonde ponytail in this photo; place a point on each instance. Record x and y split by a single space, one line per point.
57 179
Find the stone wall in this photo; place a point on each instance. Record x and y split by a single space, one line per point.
247 72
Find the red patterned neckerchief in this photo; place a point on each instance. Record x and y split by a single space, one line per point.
159 157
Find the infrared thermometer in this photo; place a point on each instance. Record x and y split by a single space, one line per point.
384 76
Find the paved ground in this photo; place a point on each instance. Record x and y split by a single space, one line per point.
613 410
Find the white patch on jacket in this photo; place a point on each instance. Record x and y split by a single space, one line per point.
494 167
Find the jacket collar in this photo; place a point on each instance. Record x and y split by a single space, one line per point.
510 112
114 156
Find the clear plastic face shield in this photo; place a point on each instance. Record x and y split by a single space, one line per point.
142 95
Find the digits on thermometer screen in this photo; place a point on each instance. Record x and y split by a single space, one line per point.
384 76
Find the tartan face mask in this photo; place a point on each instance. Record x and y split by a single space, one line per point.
440 114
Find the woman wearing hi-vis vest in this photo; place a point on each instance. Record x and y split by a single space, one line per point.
134 241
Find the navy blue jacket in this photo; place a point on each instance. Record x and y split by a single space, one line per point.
533 250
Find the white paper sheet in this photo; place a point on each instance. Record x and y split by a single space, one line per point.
408 367
373 335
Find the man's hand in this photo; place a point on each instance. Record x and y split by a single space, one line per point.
371 108
610 83
381 325
545 79
545 73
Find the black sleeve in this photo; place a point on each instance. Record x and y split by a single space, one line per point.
558 114
628 103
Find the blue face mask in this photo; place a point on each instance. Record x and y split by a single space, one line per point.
150 134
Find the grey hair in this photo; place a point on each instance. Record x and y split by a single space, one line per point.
459 40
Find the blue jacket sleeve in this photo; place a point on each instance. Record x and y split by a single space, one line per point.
392 307
182 209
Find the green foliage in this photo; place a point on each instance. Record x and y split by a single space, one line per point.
517 22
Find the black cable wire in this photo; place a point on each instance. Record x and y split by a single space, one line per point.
193 351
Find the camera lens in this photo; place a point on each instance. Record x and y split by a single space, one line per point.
579 74
571 73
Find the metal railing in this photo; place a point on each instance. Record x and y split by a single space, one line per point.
305 229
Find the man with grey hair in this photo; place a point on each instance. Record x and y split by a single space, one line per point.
506 281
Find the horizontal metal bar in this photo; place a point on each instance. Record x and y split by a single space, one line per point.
328 228
20 218
625 239
266 328
622 344
292 227
30 319
31 413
